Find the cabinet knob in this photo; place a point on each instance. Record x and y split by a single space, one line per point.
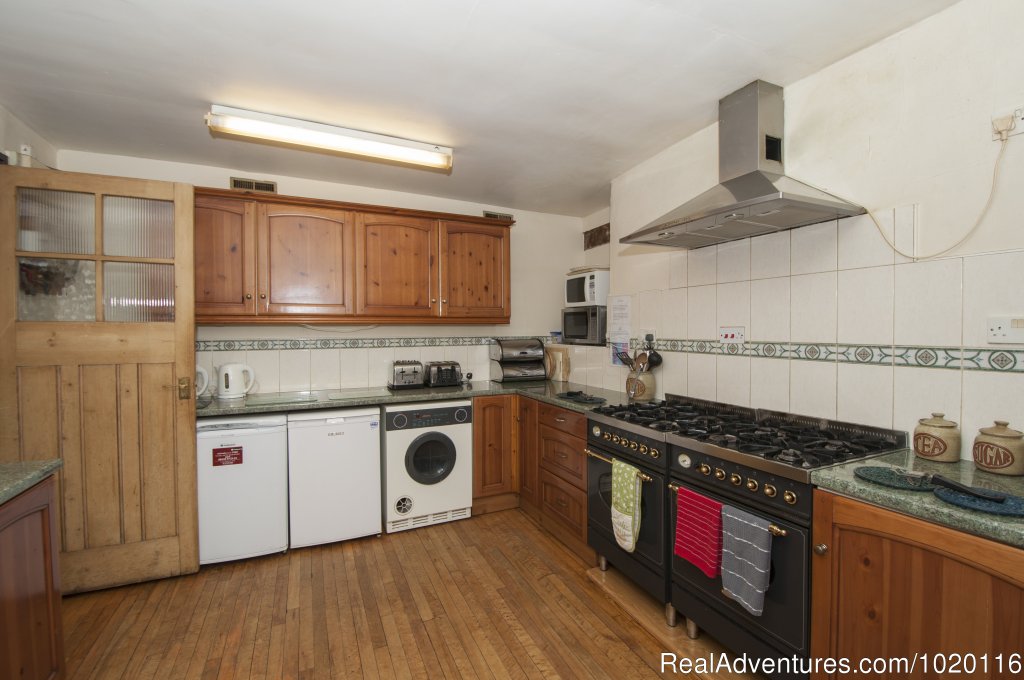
263 296
248 296
433 301
444 301
820 549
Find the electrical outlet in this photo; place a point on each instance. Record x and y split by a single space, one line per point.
644 339
1014 120
1005 330
731 335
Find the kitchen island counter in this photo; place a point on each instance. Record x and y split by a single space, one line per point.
924 504
17 477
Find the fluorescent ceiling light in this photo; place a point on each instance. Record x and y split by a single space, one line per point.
317 135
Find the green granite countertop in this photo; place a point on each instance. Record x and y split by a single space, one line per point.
925 505
17 477
373 396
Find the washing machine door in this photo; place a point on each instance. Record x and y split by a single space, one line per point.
430 458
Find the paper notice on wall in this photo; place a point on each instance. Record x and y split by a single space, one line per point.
620 325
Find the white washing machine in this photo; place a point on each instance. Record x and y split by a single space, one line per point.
427 463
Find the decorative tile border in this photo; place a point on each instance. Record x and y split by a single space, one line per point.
352 343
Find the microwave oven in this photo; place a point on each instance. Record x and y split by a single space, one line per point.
583 289
584 325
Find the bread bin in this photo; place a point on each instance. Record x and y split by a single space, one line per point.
999 449
937 439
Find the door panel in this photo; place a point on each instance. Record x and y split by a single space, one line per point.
475 274
396 258
225 256
103 397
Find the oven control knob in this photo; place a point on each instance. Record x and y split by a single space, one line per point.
615 439
789 497
735 479
596 430
607 435
655 454
634 445
643 449
752 485
705 469
719 474
769 491
684 461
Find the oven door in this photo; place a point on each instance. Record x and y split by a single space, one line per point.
786 605
647 565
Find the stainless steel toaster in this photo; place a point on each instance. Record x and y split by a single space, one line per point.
443 373
406 374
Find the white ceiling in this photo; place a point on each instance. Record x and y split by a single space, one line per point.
544 101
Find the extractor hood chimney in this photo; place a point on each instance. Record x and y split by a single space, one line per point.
753 196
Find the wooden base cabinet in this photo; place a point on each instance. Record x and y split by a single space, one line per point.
31 641
494 453
885 585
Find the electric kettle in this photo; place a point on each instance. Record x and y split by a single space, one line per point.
234 381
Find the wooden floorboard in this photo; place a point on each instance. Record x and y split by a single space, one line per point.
493 596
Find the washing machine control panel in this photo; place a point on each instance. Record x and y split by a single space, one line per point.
428 417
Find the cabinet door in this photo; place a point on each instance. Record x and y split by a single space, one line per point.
306 261
396 261
493 445
562 454
888 585
529 462
225 256
475 271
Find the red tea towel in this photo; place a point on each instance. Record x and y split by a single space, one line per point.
699 531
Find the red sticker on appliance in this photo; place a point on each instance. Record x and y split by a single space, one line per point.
229 455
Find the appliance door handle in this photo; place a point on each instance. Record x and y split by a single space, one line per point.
592 454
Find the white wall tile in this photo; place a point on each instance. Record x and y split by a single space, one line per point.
769 383
458 353
479 360
919 392
813 307
677 269
733 305
379 361
814 248
770 255
649 312
866 306
594 377
325 369
701 313
861 244
701 266
929 303
734 261
701 380
294 370
266 365
205 360
615 378
812 388
577 365
598 357
672 373
769 310
733 379
355 367
905 218
428 354
865 394
673 314
407 354
988 397
992 287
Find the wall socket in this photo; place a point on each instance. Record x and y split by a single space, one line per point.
731 335
644 332
1015 119
1006 330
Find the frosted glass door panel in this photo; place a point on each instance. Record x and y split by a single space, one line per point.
138 292
138 227
56 221
56 290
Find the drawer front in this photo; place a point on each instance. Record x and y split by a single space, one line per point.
562 454
564 503
570 422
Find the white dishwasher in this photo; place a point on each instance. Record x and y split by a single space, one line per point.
333 475
242 479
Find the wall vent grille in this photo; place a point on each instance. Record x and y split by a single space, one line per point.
498 216
254 185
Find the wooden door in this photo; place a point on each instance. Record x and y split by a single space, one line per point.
305 261
475 278
529 459
396 264
97 358
493 443
225 257
890 586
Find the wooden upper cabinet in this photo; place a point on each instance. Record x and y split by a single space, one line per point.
225 256
396 257
306 261
475 277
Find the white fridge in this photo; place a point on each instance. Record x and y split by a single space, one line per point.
333 475
242 479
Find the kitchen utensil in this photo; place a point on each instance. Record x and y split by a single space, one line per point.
895 479
641 362
999 449
937 439
234 381
939 480
203 379
1007 506
640 386
653 359
625 358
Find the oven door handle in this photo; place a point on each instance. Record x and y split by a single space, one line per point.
592 454
773 529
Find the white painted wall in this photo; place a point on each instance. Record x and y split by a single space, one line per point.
14 133
901 127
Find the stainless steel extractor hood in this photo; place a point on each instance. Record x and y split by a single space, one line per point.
753 197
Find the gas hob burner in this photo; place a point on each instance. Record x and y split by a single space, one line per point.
664 426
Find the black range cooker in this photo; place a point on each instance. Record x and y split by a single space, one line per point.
755 460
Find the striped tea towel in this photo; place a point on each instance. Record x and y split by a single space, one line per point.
699 531
746 558
625 504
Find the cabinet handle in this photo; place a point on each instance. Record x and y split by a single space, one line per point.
559 419
561 502
263 296
820 549
248 296
563 455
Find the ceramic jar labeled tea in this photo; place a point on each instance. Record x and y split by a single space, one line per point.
937 439
999 449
